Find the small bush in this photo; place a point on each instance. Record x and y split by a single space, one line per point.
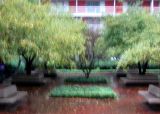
106 64
153 66
80 71
83 91
97 79
70 70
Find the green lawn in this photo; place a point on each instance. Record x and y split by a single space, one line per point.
153 71
101 70
80 79
80 71
83 91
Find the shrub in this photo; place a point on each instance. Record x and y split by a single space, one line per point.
83 91
97 79
106 64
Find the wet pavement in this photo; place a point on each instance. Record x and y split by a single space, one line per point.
128 102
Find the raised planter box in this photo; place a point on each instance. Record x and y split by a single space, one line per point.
126 81
147 76
50 74
34 79
135 78
121 73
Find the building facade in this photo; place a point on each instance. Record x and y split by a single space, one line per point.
91 11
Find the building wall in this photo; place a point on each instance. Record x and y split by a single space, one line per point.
104 7
91 11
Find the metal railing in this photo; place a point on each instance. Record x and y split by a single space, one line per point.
103 10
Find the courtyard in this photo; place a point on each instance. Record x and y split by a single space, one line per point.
128 101
79 57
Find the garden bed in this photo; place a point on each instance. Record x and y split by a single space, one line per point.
136 79
83 91
95 79
80 71
33 79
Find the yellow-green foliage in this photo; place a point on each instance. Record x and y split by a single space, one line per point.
133 36
100 48
34 29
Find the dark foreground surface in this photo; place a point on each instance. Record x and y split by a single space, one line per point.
129 102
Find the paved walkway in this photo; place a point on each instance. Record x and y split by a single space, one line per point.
129 102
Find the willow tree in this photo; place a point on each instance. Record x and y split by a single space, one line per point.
40 1
38 34
129 31
147 49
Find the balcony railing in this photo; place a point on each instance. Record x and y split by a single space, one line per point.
103 10
95 10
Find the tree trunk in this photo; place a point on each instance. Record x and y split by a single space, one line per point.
87 75
28 67
142 68
139 68
45 71
1 61
45 66
145 65
29 63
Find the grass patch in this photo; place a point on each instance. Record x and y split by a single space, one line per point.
80 71
83 91
153 70
101 70
97 79
70 70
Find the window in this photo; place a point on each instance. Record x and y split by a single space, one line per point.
93 6
156 6
119 7
146 5
109 4
72 7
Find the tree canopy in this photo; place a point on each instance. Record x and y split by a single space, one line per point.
133 37
37 33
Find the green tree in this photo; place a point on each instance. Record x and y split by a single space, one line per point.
132 33
38 34
86 60
100 49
